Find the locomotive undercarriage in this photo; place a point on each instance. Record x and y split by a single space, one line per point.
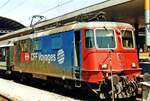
122 88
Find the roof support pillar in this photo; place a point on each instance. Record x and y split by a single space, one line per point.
147 22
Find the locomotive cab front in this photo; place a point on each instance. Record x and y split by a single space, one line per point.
109 51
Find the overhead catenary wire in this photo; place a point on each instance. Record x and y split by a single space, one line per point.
4 4
50 9
15 7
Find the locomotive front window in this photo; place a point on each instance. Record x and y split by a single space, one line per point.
127 39
89 39
105 38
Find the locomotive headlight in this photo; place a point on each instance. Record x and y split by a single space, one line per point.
133 65
104 66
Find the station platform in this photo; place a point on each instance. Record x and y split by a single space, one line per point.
19 92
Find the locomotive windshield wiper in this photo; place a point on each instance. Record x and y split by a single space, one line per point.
111 38
106 29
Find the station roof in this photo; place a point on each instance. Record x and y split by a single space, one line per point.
131 11
7 24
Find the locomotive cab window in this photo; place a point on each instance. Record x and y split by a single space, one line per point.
127 39
105 38
89 39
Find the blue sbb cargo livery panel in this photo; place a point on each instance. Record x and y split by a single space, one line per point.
49 55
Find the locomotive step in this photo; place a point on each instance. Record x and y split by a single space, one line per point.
78 83
77 75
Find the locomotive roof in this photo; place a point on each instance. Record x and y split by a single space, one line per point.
89 25
67 27
103 24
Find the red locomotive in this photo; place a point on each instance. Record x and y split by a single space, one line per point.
101 55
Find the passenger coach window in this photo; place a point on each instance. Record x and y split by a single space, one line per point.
89 39
127 39
105 38
2 54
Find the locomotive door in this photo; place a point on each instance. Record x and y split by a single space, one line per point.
77 58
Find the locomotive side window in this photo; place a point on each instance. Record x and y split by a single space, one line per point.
105 38
89 39
56 42
24 45
36 45
127 39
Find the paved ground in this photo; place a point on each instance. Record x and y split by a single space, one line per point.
21 92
